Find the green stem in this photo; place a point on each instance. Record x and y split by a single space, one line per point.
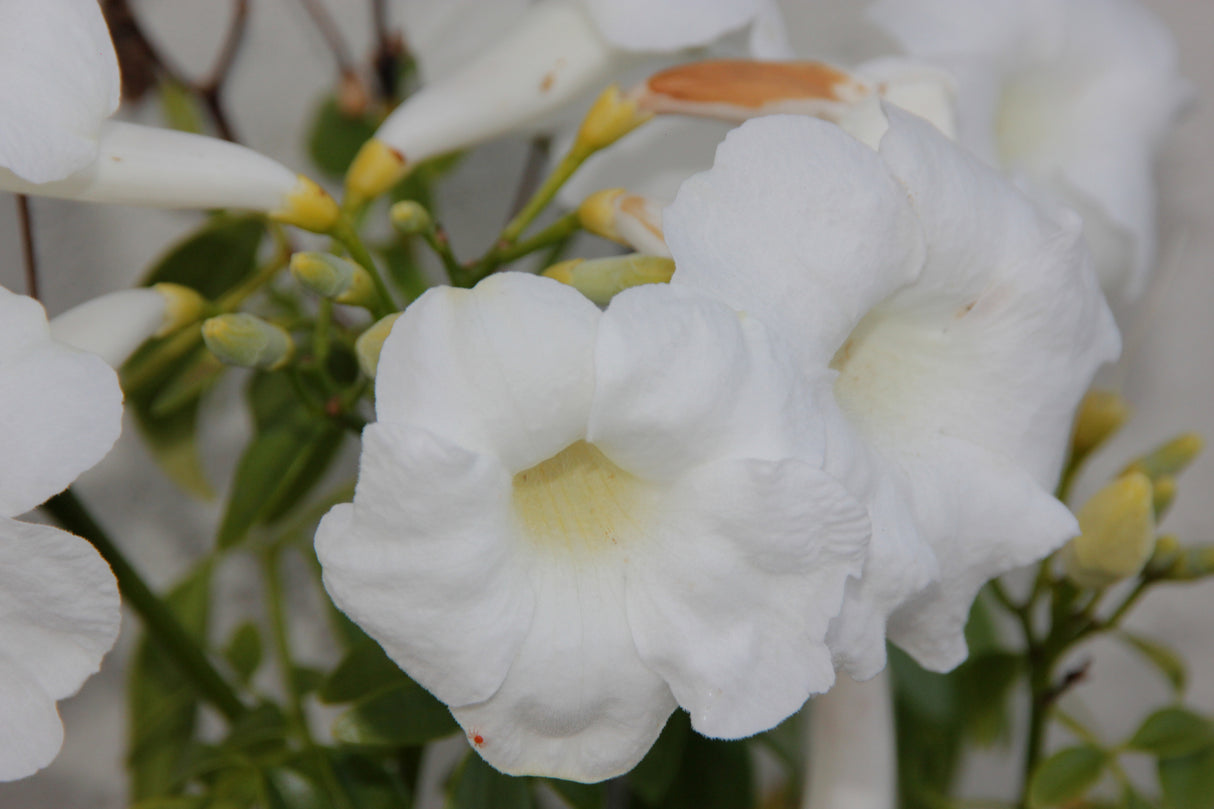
555 233
161 625
435 237
343 232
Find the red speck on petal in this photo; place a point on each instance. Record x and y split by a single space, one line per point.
478 740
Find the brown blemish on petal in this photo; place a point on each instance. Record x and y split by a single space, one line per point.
636 207
965 310
751 84
547 82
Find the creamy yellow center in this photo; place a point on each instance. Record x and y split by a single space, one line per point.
578 500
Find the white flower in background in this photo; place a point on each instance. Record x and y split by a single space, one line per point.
569 521
955 327
61 85
1073 96
60 412
496 67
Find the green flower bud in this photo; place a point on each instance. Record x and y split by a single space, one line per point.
1117 533
601 279
248 341
182 307
1101 414
410 218
1170 459
334 277
371 342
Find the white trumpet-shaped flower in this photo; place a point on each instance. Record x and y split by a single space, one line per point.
568 521
953 327
60 412
1073 96
60 87
497 67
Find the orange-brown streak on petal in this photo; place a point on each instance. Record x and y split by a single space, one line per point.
640 210
737 89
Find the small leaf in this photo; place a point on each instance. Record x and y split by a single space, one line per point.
399 717
180 107
1188 782
1066 775
243 651
1163 658
984 685
712 775
287 788
365 670
335 137
651 779
579 796
476 785
1171 733
214 258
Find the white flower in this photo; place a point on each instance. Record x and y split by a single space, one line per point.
568 521
1075 96
952 327
494 68
61 85
60 412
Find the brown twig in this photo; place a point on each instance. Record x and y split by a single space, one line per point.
389 50
210 89
28 255
332 37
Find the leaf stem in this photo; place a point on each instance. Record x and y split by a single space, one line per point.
161 625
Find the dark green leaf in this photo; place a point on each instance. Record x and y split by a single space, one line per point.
278 467
180 107
174 802
243 651
984 685
929 728
476 785
1066 775
287 788
579 796
260 731
1163 658
214 258
162 703
335 137
399 717
365 670
307 679
1188 782
1171 733
712 775
653 776
786 741
368 784
404 270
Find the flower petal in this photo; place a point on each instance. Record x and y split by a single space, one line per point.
112 326
578 702
669 25
59 615
60 81
444 36
732 605
60 409
505 369
424 561
830 233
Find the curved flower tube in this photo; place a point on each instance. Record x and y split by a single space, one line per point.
60 412
958 326
1075 96
567 522
551 54
61 87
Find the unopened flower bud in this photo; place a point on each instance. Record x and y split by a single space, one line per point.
371 342
333 277
1165 494
308 206
1101 414
248 341
183 306
376 168
601 279
1170 459
612 116
627 219
1117 533
597 213
410 218
1194 563
1164 557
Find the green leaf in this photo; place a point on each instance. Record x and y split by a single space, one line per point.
404 270
404 716
259 732
214 258
279 466
163 704
365 670
368 783
335 137
713 774
1172 733
1162 657
579 796
243 651
180 107
1188 782
984 686
929 729
1066 775
476 785
652 778
287 788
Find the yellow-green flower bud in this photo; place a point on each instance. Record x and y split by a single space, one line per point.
1101 414
248 341
611 117
334 277
371 342
601 279
597 213
1165 494
410 218
308 206
1170 459
182 306
376 168
1165 556
1117 533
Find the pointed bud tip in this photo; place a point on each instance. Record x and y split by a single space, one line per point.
323 273
1169 459
1117 533
182 306
1101 414
371 342
598 212
376 168
612 116
308 206
601 279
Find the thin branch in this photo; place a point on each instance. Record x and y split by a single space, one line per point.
389 50
328 31
210 89
28 254
533 172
